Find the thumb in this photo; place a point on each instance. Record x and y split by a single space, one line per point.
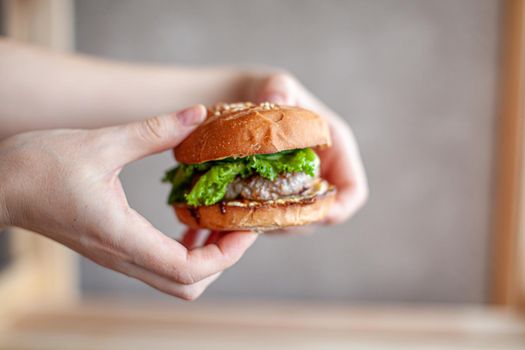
157 134
278 88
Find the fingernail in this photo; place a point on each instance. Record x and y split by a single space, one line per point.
192 116
277 98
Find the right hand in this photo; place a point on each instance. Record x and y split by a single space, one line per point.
341 164
64 185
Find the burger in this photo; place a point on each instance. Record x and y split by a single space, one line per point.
251 167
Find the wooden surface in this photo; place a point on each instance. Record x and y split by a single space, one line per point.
506 230
130 325
45 22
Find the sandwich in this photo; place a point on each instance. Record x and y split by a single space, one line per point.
251 167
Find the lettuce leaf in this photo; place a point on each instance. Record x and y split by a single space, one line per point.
211 187
271 165
214 177
181 178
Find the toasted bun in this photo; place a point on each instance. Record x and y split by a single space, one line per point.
243 129
260 216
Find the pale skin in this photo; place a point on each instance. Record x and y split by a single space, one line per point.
69 124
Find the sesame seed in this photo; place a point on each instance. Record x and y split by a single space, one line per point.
267 106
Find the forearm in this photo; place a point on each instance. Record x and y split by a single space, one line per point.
41 89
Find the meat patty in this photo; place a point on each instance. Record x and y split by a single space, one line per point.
260 189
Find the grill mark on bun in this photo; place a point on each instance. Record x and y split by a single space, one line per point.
194 211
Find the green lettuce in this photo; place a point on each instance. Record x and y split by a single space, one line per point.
181 178
214 177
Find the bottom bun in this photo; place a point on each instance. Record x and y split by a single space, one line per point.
257 216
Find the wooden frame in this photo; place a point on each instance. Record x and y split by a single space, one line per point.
507 287
42 271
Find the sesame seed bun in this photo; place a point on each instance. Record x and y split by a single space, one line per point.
243 129
258 216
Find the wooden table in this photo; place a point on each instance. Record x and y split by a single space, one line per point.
135 324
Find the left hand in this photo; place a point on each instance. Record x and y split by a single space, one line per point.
64 184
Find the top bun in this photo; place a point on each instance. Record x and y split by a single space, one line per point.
243 129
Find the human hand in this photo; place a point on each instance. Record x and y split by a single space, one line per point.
64 184
341 163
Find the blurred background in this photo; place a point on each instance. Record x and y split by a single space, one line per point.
416 80
433 90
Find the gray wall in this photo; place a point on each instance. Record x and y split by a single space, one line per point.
415 79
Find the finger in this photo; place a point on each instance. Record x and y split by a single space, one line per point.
213 237
139 139
293 231
342 166
149 248
184 291
280 89
222 254
348 201
189 238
